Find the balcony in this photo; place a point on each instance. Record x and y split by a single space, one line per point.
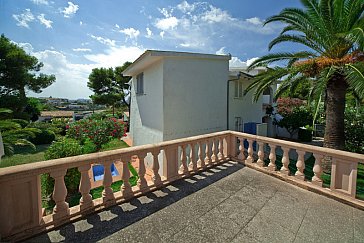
216 187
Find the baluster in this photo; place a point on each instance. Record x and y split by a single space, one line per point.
221 155
183 168
142 182
285 161
317 170
193 162
272 158
125 189
213 150
85 187
207 153
250 152
156 177
260 161
300 165
107 194
241 150
59 194
201 161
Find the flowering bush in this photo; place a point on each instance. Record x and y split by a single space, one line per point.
286 105
98 131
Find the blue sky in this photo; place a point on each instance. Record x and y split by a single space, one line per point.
72 37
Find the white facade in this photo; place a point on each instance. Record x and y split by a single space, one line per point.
184 95
242 109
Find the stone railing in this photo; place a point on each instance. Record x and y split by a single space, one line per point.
344 164
21 210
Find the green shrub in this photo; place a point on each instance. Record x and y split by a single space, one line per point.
44 137
59 126
354 130
88 147
64 148
21 122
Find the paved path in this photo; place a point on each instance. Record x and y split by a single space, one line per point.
229 203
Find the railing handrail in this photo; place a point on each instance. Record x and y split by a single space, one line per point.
75 161
305 147
47 166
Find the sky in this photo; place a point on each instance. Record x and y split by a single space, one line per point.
73 37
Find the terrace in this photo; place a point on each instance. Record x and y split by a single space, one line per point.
215 187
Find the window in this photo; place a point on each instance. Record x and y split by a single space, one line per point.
140 84
238 89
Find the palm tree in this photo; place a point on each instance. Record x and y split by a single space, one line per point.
332 33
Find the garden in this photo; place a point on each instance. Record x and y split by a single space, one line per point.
297 116
28 142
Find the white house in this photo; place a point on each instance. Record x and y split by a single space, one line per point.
179 94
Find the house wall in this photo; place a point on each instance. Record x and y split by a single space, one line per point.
194 96
146 124
244 107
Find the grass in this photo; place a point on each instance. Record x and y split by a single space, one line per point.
97 192
326 178
24 155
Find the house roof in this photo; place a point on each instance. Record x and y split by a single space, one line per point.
151 56
57 113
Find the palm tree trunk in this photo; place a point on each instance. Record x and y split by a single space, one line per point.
335 108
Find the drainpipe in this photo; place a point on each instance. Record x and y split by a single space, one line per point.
227 99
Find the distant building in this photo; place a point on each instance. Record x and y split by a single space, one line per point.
49 115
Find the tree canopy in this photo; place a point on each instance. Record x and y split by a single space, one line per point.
108 84
332 32
19 72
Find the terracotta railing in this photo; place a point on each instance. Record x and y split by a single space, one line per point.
343 170
21 210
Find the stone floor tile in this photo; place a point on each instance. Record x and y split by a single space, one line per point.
265 230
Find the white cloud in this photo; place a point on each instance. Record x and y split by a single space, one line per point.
71 10
117 26
185 7
81 49
75 75
39 2
24 18
46 22
105 41
200 25
255 20
149 33
221 51
235 61
81 23
167 23
216 15
162 34
131 33
115 56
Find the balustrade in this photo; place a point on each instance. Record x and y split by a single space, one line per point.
142 182
59 194
199 152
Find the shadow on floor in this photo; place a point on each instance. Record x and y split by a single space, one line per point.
97 226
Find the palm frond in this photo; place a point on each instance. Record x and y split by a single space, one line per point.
355 77
271 58
264 80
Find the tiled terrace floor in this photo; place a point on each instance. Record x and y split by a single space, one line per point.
229 203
